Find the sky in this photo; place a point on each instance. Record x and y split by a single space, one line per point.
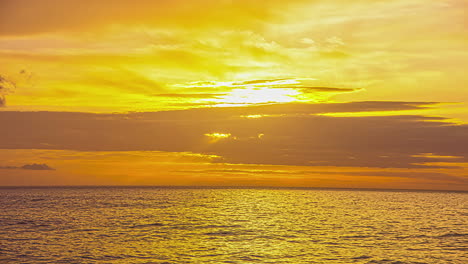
299 93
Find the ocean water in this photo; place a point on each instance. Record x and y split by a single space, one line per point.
202 225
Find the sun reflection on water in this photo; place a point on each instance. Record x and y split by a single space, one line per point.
198 225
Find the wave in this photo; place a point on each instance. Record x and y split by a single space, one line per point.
452 235
446 235
146 225
389 261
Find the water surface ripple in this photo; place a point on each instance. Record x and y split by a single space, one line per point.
201 225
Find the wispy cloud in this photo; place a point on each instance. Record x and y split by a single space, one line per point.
312 47
190 95
326 89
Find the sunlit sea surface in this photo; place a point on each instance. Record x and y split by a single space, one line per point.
202 225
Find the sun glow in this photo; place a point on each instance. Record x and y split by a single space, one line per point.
257 96
252 116
218 136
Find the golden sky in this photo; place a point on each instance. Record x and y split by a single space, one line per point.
233 92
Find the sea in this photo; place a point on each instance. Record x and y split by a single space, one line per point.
231 225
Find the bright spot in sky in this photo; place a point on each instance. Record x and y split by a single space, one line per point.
218 136
252 116
258 96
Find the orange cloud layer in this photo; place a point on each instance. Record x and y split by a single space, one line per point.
186 169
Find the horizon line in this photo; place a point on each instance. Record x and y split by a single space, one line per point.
228 187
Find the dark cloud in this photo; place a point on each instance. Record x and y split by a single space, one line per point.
34 166
8 167
292 135
6 86
285 109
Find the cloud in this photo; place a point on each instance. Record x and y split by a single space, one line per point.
30 17
183 168
122 80
437 176
6 86
292 134
326 89
291 83
261 82
172 43
185 95
281 109
333 171
34 166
